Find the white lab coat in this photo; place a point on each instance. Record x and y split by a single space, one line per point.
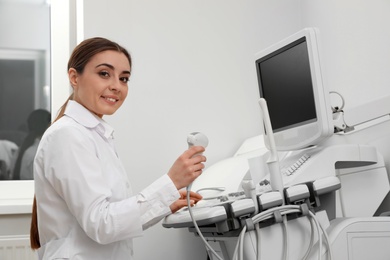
8 154
26 165
85 207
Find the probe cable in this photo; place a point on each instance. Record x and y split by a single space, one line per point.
325 235
311 239
196 225
256 219
285 210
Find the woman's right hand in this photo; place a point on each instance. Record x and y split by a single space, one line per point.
187 167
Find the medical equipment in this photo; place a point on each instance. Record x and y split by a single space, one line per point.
291 80
197 138
223 213
322 205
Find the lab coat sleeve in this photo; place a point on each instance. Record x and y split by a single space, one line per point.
73 169
154 201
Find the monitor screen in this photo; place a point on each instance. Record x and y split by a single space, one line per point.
290 80
288 71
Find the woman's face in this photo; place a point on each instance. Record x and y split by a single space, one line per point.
102 87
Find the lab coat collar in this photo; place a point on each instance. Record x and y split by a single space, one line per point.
86 118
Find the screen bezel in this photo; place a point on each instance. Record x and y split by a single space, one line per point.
312 132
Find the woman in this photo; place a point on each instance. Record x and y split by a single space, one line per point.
38 121
84 205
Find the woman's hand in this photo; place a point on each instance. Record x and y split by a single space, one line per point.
182 201
187 167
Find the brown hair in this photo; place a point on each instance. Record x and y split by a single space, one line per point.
80 56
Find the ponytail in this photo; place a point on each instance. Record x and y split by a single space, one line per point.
63 107
34 232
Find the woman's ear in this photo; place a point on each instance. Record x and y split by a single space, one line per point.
73 76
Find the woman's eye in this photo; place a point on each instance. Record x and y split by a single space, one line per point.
124 79
104 73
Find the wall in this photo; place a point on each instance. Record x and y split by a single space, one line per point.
28 20
355 39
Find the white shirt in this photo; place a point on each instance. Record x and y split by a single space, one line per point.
26 164
85 207
8 154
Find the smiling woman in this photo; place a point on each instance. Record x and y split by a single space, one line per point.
81 185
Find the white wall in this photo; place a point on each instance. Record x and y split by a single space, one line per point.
21 23
356 40
194 71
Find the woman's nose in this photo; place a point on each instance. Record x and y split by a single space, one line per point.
115 85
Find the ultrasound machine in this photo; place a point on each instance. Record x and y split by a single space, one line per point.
314 185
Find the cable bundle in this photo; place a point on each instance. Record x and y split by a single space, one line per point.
280 214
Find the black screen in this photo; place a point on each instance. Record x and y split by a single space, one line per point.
285 83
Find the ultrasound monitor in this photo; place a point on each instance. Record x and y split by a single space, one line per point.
291 81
